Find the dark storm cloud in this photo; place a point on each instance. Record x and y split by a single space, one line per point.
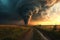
8 11
36 8
12 9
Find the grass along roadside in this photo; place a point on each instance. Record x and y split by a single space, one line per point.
12 33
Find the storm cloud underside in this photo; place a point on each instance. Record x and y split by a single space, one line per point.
11 10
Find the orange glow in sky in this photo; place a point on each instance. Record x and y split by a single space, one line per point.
53 17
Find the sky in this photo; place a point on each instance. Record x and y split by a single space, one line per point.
7 11
15 11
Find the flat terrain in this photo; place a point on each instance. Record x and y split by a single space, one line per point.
12 32
19 32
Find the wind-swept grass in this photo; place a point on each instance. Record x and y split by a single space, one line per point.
11 32
52 31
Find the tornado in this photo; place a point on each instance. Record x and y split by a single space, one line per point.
25 13
26 20
31 7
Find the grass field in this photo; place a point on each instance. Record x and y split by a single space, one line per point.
49 27
14 32
53 31
55 35
11 32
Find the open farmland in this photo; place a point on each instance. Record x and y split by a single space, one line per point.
18 32
12 32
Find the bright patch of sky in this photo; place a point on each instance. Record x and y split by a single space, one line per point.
56 7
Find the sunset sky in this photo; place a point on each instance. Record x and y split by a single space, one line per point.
43 12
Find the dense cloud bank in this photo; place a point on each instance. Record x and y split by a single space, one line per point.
8 11
22 9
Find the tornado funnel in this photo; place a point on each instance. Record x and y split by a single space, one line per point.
26 20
